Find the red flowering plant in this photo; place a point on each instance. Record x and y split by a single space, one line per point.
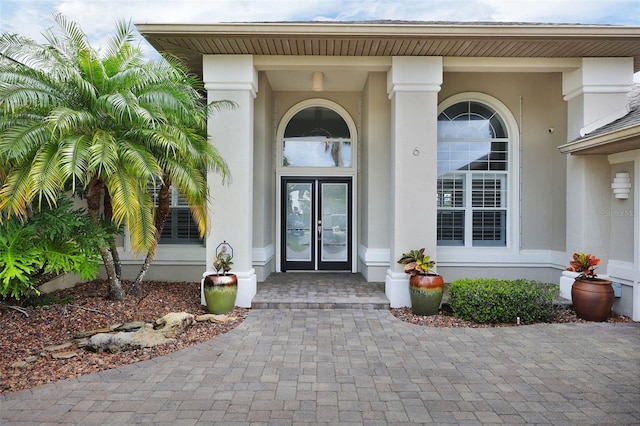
585 264
417 263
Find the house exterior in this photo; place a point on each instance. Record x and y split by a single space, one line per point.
494 146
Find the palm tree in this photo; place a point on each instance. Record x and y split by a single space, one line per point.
104 126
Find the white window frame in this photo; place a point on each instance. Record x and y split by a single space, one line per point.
490 253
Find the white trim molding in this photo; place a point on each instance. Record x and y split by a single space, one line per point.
496 257
627 273
262 255
374 256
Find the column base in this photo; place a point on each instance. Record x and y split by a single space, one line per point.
396 288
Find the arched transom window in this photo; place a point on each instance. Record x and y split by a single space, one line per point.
316 137
473 167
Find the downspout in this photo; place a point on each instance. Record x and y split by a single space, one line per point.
520 174
635 307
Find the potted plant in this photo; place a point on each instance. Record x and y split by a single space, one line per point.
592 297
221 289
425 286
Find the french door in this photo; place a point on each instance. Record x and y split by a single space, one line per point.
316 232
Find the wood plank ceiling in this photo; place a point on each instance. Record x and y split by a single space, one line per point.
396 39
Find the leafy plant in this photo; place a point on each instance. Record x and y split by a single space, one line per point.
222 262
585 264
53 241
417 263
490 300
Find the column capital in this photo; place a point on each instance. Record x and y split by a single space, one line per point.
230 73
414 74
598 75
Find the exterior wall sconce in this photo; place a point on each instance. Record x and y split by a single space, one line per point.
621 185
318 80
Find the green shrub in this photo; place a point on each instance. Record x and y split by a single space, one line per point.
51 242
490 300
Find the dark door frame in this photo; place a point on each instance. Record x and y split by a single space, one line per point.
316 263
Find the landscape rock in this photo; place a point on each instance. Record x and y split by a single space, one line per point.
19 364
129 326
64 355
90 333
173 324
220 319
145 337
56 348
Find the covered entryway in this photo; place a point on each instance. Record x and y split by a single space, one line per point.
316 224
316 189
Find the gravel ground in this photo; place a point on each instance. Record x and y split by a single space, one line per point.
25 364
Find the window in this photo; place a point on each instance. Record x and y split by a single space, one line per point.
179 227
316 137
473 172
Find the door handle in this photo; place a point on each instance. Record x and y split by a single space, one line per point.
319 228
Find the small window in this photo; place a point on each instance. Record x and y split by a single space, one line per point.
179 228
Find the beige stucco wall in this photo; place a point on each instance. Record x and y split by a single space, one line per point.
621 215
535 100
263 178
375 172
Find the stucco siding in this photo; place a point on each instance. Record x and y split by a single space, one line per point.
375 173
375 165
263 179
535 100
621 215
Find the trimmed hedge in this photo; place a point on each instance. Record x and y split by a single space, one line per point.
490 300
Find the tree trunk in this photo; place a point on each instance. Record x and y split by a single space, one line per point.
162 213
94 195
108 215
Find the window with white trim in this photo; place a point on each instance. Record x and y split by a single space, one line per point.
317 136
179 228
473 169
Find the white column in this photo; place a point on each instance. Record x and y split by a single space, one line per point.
413 86
233 78
596 94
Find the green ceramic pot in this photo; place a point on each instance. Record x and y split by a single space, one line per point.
220 293
426 294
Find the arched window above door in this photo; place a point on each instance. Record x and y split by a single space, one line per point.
317 136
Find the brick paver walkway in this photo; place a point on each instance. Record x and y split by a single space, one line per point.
359 366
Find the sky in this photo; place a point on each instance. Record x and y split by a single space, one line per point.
98 18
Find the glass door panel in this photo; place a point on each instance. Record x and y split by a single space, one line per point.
299 239
335 225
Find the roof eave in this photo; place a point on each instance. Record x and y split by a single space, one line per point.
393 29
598 144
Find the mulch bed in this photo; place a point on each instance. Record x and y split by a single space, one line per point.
55 319
446 319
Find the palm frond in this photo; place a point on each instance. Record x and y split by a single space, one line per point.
103 154
64 121
21 139
48 183
74 159
16 193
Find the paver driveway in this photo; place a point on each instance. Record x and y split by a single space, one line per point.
360 367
